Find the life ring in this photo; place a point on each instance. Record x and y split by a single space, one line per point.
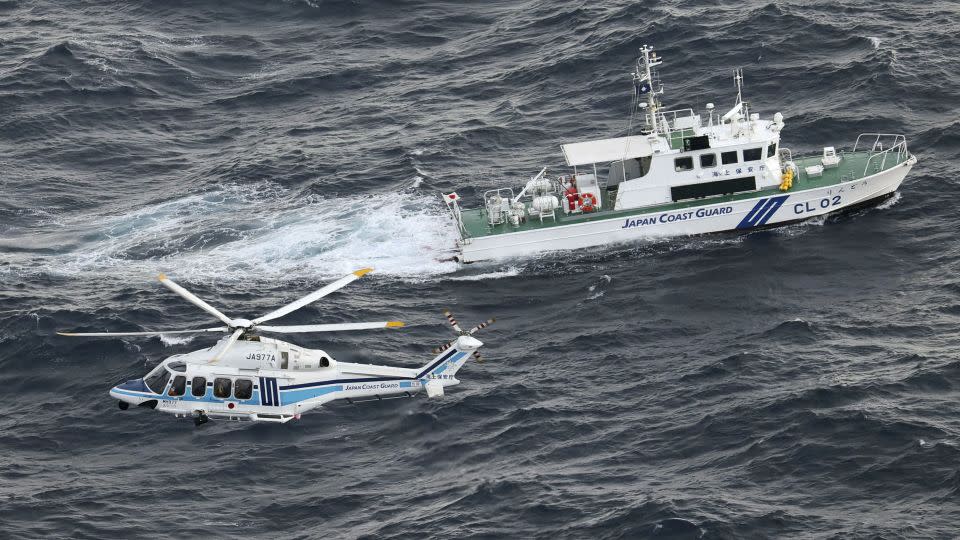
587 202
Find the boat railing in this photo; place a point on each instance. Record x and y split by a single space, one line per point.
677 123
680 119
883 146
496 203
454 208
785 155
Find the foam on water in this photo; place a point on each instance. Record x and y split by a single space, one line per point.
264 231
510 271
172 340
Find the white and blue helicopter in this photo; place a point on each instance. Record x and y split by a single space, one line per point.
245 376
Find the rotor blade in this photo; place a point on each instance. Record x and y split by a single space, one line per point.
481 326
233 339
453 322
314 296
442 348
151 333
192 298
330 327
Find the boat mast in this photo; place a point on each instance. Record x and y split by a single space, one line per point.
738 80
645 84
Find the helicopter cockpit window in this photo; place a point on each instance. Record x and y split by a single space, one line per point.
156 381
177 366
243 389
221 388
178 387
198 387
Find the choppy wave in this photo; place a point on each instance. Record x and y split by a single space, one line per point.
798 382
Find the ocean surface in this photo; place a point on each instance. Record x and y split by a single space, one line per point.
794 383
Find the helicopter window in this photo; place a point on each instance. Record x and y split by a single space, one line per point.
177 366
199 387
243 389
156 381
221 388
284 359
178 387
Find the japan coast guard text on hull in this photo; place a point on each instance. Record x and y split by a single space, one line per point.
248 377
681 175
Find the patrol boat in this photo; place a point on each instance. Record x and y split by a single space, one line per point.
682 174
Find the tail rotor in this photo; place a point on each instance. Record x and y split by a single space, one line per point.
461 332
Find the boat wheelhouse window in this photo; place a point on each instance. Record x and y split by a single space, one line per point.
771 150
728 157
243 389
708 160
696 143
221 387
324 361
178 386
752 154
683 164
284 359
156 381
177 366
198 387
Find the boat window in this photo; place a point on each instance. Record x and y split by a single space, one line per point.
198 387
324 361
728 157
243 389
284 359
221 387
710 189
178 387
753 154
156 381
683 164
708 160
771 150
177 366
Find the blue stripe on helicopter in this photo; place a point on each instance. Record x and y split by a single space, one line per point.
762 212
206 398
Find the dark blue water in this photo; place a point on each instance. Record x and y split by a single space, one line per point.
801 382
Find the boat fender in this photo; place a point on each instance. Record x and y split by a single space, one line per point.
588 202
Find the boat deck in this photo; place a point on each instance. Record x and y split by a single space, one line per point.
851 167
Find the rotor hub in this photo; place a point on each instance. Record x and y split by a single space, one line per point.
241 323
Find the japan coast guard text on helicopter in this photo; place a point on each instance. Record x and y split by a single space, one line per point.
248 377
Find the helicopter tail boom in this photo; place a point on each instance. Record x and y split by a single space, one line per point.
446 364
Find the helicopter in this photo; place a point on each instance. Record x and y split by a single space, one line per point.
246 376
